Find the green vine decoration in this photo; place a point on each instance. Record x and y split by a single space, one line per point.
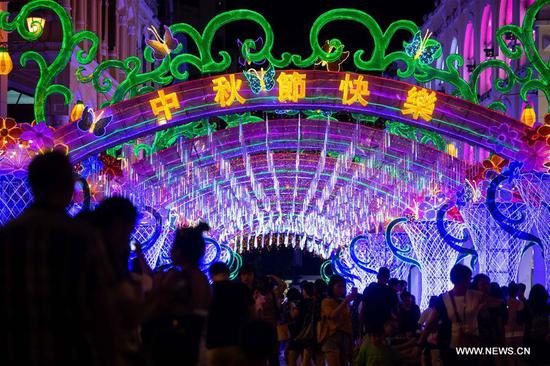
69 41
136 82
525 36
420 135
378 60
165 139
233 120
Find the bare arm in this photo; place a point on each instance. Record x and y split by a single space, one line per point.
431 323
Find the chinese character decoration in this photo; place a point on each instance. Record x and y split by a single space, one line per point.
164 104
292 87
334 65
227 91
354 91
260 80
420 103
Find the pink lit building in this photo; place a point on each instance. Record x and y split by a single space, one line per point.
468 27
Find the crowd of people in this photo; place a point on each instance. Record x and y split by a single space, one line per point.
69 296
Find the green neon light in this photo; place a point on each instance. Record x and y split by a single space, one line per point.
165 139
69 41
420 135
378 60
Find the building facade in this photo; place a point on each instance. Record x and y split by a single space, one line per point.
468 27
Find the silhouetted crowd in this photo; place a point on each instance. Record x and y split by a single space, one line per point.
73 294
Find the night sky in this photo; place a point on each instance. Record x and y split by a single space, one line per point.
291 24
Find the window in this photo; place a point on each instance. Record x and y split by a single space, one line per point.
486 43
469 46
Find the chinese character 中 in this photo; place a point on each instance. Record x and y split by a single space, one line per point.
164 104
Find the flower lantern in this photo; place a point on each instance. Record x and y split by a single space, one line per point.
528 116
9 132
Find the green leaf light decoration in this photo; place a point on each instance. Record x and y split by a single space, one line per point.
136 81
69 41
165 139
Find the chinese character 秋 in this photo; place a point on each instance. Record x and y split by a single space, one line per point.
227 91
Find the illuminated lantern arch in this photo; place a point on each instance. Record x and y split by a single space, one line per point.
304 157
386 98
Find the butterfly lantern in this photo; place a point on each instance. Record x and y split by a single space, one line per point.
162 47
258 44
334 65
424 49
91 123
263 80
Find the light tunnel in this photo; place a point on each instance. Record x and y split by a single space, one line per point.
309 173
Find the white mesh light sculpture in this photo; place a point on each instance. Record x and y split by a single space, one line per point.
15 196
535 192
434 254
499 226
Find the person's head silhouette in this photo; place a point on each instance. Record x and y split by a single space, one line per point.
51 179
189 245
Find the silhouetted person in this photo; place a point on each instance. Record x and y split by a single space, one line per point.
514 326
231 308
258 340
408 315
55 280
336 319
181 301
115 219
537 330
247 276
455 315
379 302
268 295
